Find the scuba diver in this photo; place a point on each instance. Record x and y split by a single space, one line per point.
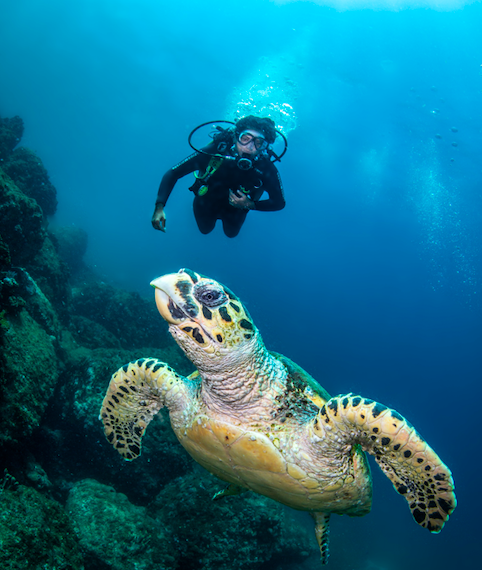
233 171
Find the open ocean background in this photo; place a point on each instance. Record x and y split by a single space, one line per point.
371 277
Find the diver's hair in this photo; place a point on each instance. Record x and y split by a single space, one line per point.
264 125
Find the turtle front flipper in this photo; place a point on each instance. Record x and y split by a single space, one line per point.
136 392
407 460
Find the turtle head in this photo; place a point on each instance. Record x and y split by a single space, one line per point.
207 320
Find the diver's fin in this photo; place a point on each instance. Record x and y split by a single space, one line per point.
407 460
136 392
322 532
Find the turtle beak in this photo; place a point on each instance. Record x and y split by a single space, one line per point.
170 312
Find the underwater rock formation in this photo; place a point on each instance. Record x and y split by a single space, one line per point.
11 131
114 533
247 532
36 532
23 166
71 244
21 222
112 308
29 375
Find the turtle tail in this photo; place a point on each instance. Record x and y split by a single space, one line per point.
407 460
136 392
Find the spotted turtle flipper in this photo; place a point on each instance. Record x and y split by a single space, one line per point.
322 532
407 460
136 392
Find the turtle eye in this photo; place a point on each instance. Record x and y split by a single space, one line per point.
210 297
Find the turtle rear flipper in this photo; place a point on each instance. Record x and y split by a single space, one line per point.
136 392
322 532
407 460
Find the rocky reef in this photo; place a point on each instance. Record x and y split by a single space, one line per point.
67 499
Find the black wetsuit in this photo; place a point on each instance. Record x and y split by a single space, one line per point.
214 204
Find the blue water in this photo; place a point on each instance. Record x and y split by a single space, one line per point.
371 277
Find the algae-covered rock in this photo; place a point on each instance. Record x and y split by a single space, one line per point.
10 299
28 172
116 534
5 260
134 321
29 374
19 284
21 222
36 533
11 132
52 276
247 531
91 334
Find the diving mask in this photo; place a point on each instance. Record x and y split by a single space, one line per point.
260 143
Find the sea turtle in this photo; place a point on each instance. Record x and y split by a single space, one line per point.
258 421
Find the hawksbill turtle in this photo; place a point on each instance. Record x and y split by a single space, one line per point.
258 421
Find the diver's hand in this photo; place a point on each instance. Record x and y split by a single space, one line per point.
240 200
159 218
